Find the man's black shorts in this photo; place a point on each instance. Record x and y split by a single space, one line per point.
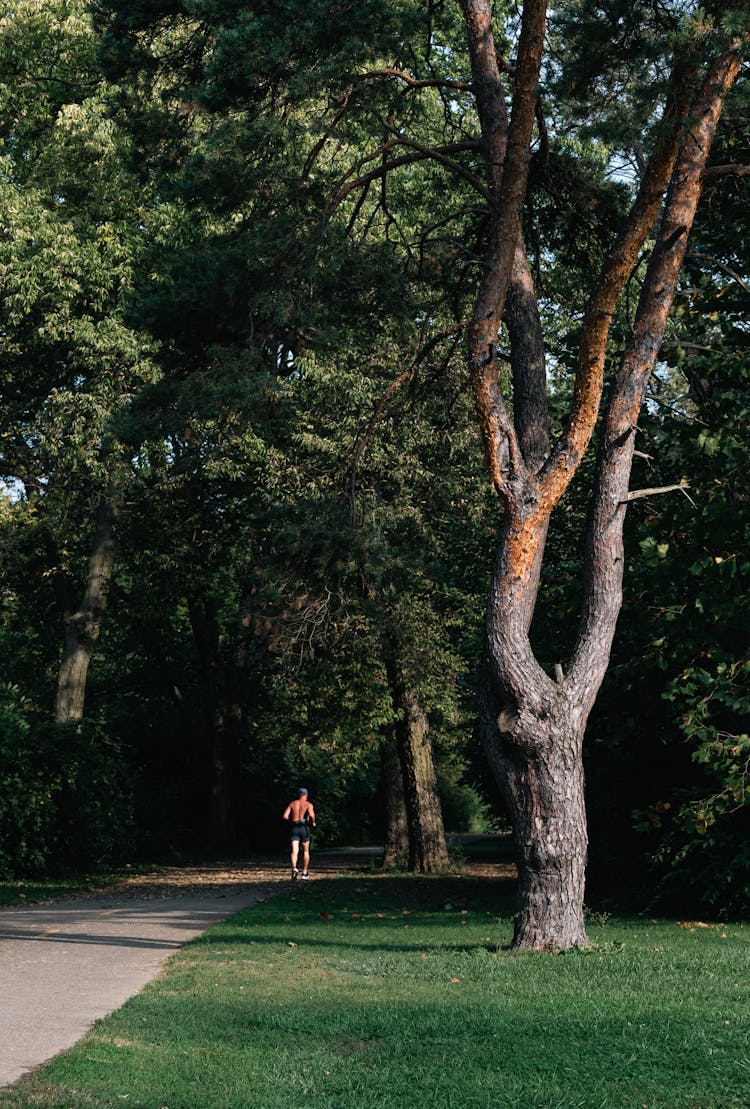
301 831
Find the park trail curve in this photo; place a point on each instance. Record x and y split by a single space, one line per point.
66 963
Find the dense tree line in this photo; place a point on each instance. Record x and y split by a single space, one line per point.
262 266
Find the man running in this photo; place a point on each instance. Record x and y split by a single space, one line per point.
302 816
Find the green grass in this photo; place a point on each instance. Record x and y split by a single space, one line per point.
18 891
402 995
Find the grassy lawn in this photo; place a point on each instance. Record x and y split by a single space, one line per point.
16 892
397 992
21 891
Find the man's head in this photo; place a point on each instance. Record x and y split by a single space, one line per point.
302 793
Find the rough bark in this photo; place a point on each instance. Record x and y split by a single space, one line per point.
396 854
428 851
533 726
604 560
427 847
224 721
535 755
83 622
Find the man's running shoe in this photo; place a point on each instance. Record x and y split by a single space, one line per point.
295 873
304 874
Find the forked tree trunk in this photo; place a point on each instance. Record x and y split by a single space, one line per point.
533 726
396 853
83 623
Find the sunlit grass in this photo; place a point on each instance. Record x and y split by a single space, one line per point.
402 992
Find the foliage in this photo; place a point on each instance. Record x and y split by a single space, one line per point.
199 304
670 738
65 793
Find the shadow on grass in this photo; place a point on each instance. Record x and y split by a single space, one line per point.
371 916
307 943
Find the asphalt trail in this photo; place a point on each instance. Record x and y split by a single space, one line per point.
65 965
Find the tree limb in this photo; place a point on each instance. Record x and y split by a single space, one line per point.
418 83
507 155
617 267
318 147
405 376
719 173
722 266
636 494
439 153
605 557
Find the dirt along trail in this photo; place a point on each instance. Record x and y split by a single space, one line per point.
65 964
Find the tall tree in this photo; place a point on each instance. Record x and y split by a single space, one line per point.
69 361
533 724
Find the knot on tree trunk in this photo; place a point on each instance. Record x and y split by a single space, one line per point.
83 626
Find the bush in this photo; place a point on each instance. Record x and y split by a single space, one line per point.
65 793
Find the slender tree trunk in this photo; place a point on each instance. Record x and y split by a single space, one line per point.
224 713
83 624
427 847
397 824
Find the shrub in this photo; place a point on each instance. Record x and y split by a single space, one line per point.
65 793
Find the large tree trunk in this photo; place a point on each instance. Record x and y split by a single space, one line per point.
224 721
396 853
536 757
532 729
533 726
83 623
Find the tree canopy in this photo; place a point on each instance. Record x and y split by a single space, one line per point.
327 329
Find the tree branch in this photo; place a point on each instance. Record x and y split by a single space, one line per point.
622 258
438 153
363 440
719 173
636 494
605 556
722 266
418 83
318 147
507 155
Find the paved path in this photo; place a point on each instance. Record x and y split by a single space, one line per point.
64 965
